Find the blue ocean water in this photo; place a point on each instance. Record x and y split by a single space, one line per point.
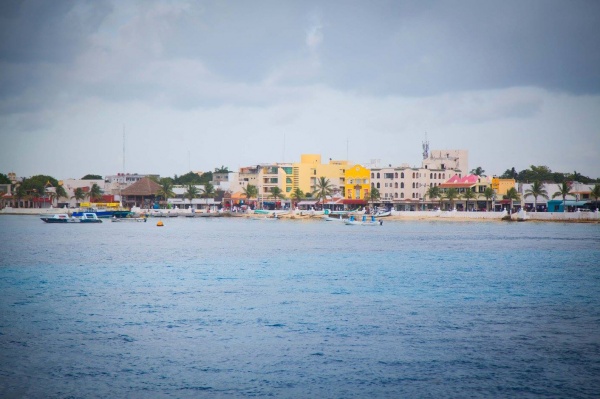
295 309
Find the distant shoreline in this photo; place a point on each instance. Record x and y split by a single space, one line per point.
552 217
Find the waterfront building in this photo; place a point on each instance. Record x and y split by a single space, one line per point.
307 172
474 183
501 186
404 187
579 197
357 186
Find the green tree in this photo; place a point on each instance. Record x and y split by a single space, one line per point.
478 171
488 193
323 188
297 195
166 189
563 190
79 194
250 191
468 195
208 191
451 195
510 174
536 190
513 195
276 193
95 193
433 192
596 194
188 178
4 179
222 169
374 195
19 193
59 192
191 192
92 177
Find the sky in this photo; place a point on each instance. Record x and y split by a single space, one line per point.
165 87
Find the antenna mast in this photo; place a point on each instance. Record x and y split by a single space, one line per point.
425 147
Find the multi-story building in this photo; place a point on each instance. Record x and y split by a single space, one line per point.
307 172
358 185
404 187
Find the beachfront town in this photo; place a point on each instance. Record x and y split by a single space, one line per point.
443 182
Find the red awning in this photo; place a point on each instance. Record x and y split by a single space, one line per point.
355 202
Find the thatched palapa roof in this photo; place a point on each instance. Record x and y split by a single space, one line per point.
144 187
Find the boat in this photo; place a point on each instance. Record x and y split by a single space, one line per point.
102 209
364 222
58 218
89 217
382 214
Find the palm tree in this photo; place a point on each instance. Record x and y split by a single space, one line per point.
477 171
297 195
488 193
323 188
277 193
536 190
250 191
59 192
513 195
374 195
19 194
222 169
208 191
451 195
79 194
191 193
563 190
166 189
468 195
596 193
433 192
95 193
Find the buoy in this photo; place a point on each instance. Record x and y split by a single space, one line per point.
160 223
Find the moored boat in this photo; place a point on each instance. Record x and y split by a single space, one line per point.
89 217
58 218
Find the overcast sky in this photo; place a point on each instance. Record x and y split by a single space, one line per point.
201 84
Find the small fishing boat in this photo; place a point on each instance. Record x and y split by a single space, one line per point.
88 217
58 218
364 222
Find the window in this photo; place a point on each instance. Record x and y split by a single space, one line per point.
402 186
395 185
388 175
401 195
395 195
372 175
378 175
402 175
378 185
396 175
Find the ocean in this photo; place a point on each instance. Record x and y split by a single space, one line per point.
231 307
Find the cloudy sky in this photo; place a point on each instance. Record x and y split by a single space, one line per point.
200 84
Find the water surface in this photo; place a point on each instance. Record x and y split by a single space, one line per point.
243 308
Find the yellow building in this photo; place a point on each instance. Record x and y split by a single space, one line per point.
307 172
358 183
501 186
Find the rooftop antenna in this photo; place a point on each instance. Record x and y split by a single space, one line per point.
347 144
123 148
425 147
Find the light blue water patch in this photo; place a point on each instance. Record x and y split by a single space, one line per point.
242 308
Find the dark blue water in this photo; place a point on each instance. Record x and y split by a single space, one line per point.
243 308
